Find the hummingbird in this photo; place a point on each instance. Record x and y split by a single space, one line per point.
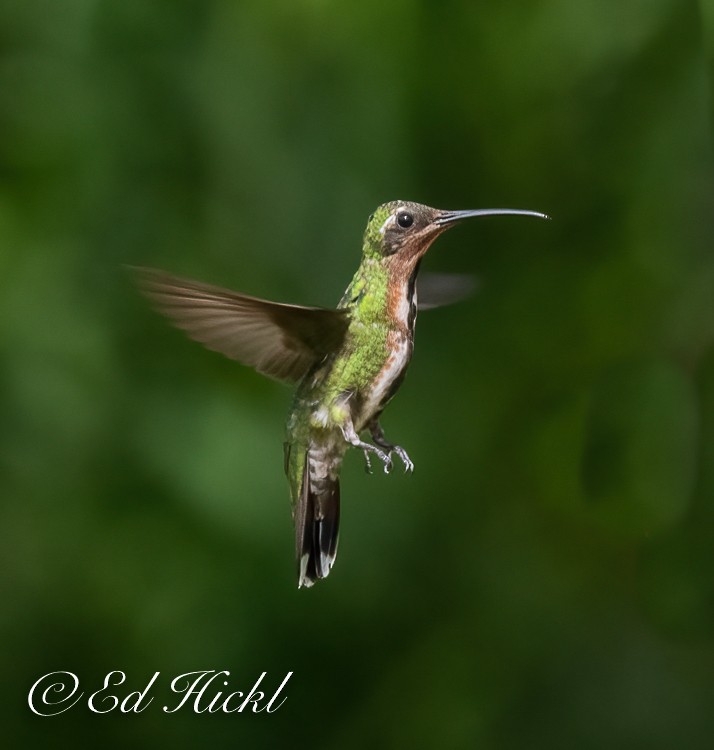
347 362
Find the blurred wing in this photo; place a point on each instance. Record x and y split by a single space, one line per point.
281 341
439 289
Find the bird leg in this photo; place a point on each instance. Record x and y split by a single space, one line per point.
378 437
348 431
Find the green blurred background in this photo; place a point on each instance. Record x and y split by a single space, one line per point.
545 579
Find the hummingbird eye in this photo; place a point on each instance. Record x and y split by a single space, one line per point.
404 219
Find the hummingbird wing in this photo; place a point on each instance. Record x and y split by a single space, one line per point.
439 289
281 341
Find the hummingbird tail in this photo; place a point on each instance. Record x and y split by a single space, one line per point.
317 519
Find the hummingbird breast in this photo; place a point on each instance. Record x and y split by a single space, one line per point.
359 380
388 379
399 345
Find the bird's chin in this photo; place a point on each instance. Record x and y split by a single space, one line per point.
425 240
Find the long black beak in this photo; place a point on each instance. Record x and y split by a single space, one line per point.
450 217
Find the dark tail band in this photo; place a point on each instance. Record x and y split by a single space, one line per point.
317 522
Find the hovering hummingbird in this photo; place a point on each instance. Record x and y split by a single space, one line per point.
347 362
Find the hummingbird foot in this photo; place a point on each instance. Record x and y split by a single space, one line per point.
408 463
378 437
367 463
385 458
352 438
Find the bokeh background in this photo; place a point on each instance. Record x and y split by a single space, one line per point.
545 579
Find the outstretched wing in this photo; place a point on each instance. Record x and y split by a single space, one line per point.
281 341
439 289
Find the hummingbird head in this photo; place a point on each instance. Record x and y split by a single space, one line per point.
402 231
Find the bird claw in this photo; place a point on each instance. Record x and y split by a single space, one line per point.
404 456
382 442
386 459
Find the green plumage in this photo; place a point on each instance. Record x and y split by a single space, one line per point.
347 362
